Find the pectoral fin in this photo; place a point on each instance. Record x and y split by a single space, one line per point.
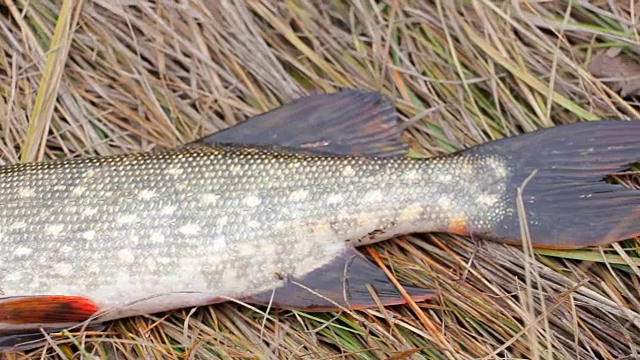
340 284
24 310
22 317
351 122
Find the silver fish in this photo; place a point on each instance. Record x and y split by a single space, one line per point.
271 210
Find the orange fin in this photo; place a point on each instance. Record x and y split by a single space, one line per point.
45 309
350 122
567 202
340 283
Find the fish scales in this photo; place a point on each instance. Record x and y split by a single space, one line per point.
220 221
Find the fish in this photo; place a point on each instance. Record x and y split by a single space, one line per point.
271 211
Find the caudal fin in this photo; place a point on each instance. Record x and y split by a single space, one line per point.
567 202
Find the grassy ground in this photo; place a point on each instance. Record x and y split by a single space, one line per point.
101 77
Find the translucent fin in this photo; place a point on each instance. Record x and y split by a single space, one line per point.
340 283
350 122
567 202
45 310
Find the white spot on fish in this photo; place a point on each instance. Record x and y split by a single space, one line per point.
63 269
65 249
89 173
444 203
126 256
253 224
348 171
271 251
210 198
219 243
14 276
18 225
410 213
299 195
487 200
157 238
229 279
498 167
164 260
174 170
373 196
252 201
411 175
78 190
190 229
367 220
150 262
168 210
122 277
93 267
89 235
26 192
466 168
126 219
334 199
54 230
323 229
247 249
444 177
146 194
222 221
89 211
22 251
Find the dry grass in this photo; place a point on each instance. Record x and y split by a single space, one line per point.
101 77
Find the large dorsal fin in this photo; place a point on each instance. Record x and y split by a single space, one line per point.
351 122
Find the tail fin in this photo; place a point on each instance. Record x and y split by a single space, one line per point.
567 202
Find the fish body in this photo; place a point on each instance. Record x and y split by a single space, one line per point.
270 211
195 224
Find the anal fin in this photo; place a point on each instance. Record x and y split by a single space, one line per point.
350 122
341 283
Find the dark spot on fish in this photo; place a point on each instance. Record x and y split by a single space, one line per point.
372 235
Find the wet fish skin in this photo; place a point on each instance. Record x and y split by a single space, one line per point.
118 229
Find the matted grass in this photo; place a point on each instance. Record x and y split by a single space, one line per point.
102 77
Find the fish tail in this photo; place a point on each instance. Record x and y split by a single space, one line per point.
560 175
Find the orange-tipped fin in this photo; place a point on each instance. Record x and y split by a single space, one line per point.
45 309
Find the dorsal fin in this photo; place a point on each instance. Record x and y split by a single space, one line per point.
351 122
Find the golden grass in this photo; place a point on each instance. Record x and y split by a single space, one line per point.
101 77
